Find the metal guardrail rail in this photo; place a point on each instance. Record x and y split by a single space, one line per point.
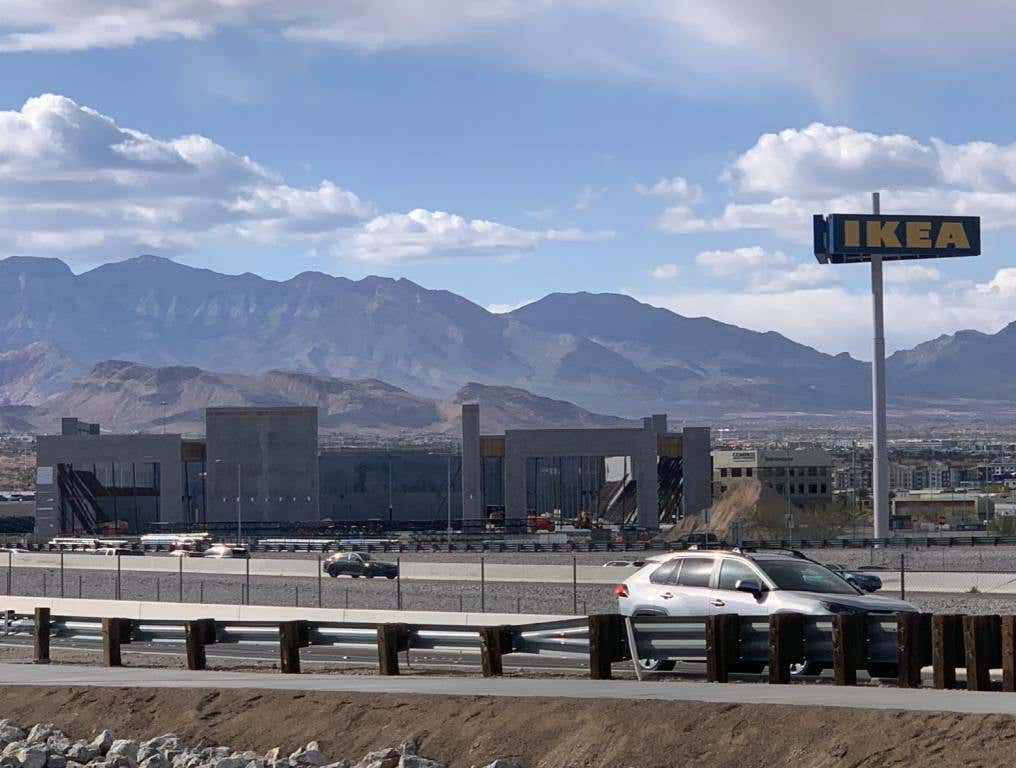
898 645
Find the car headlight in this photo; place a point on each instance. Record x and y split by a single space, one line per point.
839 608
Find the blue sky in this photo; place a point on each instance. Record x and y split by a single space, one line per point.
505 150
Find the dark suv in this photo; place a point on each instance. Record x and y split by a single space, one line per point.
357 564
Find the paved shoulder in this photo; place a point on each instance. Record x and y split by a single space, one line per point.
749 693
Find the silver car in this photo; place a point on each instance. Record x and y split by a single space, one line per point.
709 582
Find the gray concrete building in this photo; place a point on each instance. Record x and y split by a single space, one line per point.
649 449
89 483
262 464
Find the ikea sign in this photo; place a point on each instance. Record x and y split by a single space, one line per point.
843 237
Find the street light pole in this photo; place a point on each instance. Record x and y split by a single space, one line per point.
239 505
879 457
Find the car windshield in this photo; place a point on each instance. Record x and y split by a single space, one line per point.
803 576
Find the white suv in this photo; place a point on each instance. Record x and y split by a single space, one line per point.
709 582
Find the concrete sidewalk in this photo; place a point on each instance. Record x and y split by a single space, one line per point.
800 694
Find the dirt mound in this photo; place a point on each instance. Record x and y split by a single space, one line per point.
538 733
760 510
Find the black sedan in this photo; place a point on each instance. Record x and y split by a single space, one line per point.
357 564
869 582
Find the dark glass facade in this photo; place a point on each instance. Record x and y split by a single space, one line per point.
382 485
568 484
109 497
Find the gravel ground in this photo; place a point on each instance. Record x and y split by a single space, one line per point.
495 597
989 559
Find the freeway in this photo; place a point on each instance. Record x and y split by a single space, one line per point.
862 697
308 568
942 582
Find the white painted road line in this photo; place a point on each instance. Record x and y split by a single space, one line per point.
809 695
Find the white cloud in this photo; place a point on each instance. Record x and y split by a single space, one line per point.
825 159
71 179
723 41
74 182
897 273
504 309
423 234
677 187
835 319
587 196
740 260
665 271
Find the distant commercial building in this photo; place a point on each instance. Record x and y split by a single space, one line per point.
805 474
564 471
265 456
87 483
915 507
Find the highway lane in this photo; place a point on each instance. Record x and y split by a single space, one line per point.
950 582
862 697
308 568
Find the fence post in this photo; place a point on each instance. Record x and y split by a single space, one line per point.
483 586
180 561
41 655
723 640
319 575
786 645
10 570
391 638
946 649
1009 653
118 577
494 642
849 647
913 647
114 633
198 633
980 637
293 635
246 582
605 644
61 574
575 585
398 583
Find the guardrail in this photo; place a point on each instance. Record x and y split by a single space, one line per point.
885 645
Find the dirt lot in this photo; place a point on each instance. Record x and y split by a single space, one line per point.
536 732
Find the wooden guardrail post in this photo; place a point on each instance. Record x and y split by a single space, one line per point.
115 632
980 645
850 642
494 642
605 644
946 649
42 622
786 645
391 638
1009 653
198 633
293 635
723 642
913 647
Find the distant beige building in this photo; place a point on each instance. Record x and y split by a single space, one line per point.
805 474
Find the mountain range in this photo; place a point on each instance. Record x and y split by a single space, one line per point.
320 336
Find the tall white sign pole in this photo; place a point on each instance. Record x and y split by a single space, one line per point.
879 450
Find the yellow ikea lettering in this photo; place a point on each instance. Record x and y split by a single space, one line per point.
882 234
918 234
852 233
952 235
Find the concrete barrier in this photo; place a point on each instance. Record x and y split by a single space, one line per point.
134 609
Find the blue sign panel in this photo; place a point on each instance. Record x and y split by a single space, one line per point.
845 237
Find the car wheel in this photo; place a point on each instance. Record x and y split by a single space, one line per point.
884 671
656 665
370 575
333 574
389 577
355 575
806 669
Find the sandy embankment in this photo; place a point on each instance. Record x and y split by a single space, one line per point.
537 732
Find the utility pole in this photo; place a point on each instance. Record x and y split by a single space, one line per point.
879 457
448 493
239 504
